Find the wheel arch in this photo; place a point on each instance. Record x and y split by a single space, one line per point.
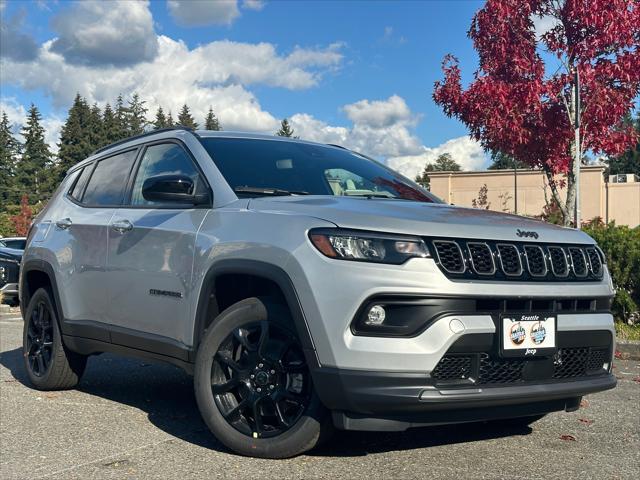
35 274
208 303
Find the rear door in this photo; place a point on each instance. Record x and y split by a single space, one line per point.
150 255
79 240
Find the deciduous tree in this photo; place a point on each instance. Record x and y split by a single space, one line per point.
520 101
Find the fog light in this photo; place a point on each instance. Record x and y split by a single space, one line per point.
375 316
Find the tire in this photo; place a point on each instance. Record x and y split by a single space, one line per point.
49 365
249 408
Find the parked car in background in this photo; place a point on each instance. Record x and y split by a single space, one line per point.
17 243
11 250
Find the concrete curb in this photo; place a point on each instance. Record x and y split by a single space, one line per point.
628 349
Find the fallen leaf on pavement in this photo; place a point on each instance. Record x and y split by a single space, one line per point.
584 403
586 421
569 438
618 355
637 379
51 395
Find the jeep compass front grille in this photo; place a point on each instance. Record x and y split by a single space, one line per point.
517 260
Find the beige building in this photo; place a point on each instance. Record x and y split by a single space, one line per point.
610 201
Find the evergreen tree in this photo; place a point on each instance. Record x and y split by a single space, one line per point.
96 128
110 126
444 163
170 122
161 120
186 119
9 151
211 122
285 129
75 138
33 167
136 116
122 121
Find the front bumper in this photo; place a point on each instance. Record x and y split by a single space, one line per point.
392 402
10 290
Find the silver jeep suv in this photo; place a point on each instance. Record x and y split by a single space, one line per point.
307 287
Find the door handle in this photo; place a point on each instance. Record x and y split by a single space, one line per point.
64 223
122 226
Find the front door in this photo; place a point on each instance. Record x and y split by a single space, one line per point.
150 257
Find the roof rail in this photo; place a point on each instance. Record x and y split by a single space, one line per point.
145 134
337 146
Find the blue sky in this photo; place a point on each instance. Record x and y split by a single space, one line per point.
359 73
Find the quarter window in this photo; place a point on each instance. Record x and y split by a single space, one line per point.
109 179
81 182
163 159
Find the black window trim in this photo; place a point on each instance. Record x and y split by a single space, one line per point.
126 201
93 164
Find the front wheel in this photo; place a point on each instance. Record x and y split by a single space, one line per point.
252 383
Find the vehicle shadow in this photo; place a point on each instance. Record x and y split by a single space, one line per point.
165 393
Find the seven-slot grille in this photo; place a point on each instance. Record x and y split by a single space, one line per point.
518 261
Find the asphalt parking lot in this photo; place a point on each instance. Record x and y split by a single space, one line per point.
132 419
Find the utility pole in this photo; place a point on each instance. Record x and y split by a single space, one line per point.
578 157
515 185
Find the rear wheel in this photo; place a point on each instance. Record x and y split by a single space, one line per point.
253 385
50 366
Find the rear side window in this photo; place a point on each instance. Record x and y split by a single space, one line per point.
107 184
81 182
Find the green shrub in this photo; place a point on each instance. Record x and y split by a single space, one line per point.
621 246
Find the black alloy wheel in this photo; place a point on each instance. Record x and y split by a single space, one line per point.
260 380
39 341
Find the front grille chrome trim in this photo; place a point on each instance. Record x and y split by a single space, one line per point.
555 268
462 259
579 251
473 264
500 258
544 258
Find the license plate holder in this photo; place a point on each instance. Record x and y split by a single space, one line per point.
528 334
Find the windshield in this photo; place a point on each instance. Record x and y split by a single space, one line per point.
255 167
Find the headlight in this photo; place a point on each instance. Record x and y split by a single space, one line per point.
368 247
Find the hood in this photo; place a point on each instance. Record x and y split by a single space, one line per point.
417 218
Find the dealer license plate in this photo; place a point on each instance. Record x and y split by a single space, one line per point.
528 334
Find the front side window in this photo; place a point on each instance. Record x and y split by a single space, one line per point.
255 167
159 160
107 184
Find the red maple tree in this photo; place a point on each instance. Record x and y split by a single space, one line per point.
22 221
521 101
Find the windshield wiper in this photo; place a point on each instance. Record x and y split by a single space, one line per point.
268 191
374 195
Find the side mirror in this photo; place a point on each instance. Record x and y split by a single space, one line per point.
173 188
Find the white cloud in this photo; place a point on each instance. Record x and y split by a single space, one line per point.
213 74
380 127
201 13
105 33
253 4
379 113
542 24
17 114
464 150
